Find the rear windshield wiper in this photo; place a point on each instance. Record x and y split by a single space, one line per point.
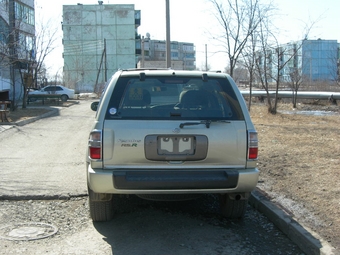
205 122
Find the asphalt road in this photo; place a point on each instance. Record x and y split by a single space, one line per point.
46 158
45 161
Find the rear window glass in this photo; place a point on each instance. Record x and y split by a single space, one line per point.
168 98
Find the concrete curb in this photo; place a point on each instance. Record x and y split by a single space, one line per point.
41 197
52 112
308 241
8 125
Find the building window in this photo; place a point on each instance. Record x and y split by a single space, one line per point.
24 13
174 46
137 17
188 55
26 50
188 48
4 31
174 54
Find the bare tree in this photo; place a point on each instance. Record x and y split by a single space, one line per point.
282 58
263 62
249 56
274 59
24 46
5 55
204 67
240 72
334 65
45 43
295 82
238 19
284 55
7 40
271 66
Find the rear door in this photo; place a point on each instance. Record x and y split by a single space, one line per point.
173 122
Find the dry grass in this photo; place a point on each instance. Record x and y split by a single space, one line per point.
299 158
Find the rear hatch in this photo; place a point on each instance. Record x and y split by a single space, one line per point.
173 121
154 144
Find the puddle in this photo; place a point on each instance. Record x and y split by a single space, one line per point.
313 113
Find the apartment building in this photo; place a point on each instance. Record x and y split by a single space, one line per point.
183 54
312 60
319 59
17 50
98 40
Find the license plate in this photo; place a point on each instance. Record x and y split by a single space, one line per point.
175 145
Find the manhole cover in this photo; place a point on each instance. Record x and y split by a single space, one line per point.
27 231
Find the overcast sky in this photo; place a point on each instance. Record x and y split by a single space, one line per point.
191 19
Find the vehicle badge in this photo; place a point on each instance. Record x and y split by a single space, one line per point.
176 130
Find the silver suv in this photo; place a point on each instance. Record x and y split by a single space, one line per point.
169 134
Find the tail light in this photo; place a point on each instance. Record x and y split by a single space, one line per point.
95 144
252 145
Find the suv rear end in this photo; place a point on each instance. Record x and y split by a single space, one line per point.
161 133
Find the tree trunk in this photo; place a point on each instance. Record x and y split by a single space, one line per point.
12 74
250 90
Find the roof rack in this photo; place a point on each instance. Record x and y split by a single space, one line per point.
145 69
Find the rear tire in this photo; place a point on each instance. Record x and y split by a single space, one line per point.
64 98
101 207
233 207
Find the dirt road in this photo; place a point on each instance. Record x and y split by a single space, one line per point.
45 159
142 227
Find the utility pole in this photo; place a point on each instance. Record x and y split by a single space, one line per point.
168 48
102 60
206 58
105 63
12 51
142 64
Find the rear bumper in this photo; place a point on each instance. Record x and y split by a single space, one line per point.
172 181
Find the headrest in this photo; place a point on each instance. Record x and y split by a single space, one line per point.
138 97
193 99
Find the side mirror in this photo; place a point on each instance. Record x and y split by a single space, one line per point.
94 106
